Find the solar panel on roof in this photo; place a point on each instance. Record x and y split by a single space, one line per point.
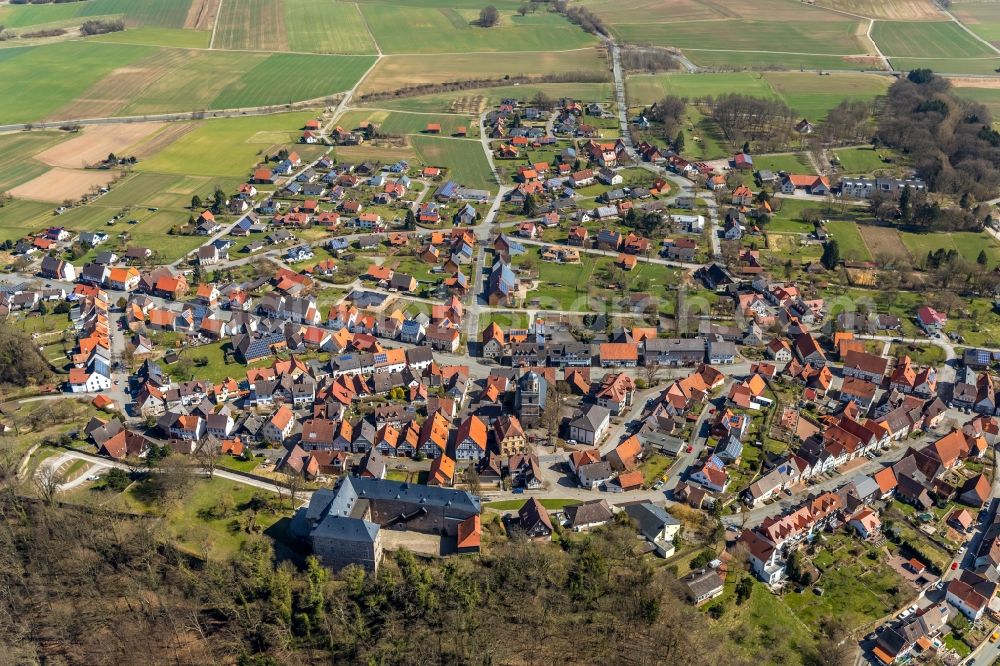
716 461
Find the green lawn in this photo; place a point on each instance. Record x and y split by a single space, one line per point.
921 355
862 160
407 28
927 39
849 240
324 26
795 163
505 320
464 159
968 243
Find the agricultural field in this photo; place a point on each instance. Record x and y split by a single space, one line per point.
939 39
17 151
809 94
252 25
228 146
762 60
325 26
421 29
982 18
185 39
903 10
19 218
159 13
397 72
401 123
982 65
989 96
58 184
477 101
833 35
463 158
163 80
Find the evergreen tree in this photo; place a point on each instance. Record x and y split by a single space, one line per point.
831 254
679 142
982 258
905 209
196 201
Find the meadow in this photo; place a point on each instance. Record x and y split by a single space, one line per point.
325 26
834 35
227 146
863 160
397 122
422 29
793 162
396 72
463 158
987 96
938 39
967 243
808 94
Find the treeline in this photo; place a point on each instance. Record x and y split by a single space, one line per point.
473 84
96 588
951 140
648 59
99 27
848 122
765 123
583 17
670 111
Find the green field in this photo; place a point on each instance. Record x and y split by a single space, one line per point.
987 96
19 218
227 146
795 163
162 13
833 35
188 39
849 240
967 243
325 26
35 81
762 60
484 98
287 77
463 158
396 122
981 18
949 65
16 150
808 94
923 39
860 160
423 29
255 25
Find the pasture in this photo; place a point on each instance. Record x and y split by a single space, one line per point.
324 26
834 35
227 146
463 158
938 39
421 29
401 123
477 101
397 72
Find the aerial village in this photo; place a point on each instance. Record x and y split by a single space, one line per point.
423 362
